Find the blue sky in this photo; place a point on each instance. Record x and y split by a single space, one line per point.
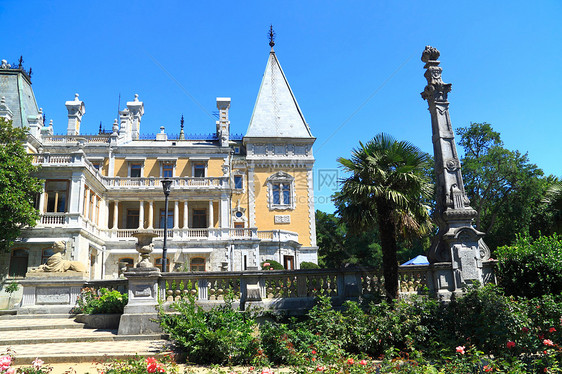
354 66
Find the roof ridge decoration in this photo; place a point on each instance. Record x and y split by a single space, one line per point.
276 111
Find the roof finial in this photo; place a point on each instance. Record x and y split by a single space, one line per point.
182 134
271 37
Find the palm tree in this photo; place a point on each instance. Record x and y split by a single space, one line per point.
388 188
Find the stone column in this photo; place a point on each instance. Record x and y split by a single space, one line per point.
457 243
176 214
224 210
94 209
151 214
42 200
185 215
141 215
87 205
211 214
115 214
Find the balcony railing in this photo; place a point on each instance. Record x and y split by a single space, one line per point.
156 183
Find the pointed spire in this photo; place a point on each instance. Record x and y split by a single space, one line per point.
276 112
271 37
182 134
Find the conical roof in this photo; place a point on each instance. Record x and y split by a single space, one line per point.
276 112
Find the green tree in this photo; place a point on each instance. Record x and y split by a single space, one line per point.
502 185
18 186
387 188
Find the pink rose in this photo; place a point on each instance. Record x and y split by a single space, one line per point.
548 342
460 349
37 363
363 362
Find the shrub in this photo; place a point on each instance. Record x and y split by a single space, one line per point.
531 268
309 265
221 335
271 264
102 301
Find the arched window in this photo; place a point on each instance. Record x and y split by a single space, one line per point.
197 264
18 262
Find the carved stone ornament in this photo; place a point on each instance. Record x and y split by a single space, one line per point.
57 264
452 165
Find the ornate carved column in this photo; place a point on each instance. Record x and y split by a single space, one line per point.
457 241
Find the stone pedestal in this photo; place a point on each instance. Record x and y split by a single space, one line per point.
50 293
140 312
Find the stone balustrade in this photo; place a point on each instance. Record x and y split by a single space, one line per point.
155 182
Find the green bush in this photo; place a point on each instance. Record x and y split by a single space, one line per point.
221 335
531 268
309 265
272 264
102 301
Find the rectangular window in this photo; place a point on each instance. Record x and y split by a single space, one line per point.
136 170
96 165
281 194
132 218
238 182
57 193
199 219
199 170
167 171
170 222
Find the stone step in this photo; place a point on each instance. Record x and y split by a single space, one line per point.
11 316
26 324
67 336
78 352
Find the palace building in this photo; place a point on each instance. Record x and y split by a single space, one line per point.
235 201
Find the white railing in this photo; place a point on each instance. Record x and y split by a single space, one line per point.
53 219
53 159
189 233
177 182
76 139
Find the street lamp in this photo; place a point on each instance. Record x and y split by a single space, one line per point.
167 186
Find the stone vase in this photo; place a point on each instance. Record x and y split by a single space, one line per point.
145 247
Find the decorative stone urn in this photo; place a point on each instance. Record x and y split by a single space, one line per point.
145 247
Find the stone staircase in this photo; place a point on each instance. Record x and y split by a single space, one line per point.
57 338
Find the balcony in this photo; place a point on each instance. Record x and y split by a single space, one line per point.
189 234
155 183
120 184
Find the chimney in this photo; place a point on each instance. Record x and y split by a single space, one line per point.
76 110
223 124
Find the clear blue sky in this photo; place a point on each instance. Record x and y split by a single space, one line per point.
354 66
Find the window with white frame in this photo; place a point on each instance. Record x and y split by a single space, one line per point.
281 189
135 170
199 169
238 182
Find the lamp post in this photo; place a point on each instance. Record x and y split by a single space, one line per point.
166 185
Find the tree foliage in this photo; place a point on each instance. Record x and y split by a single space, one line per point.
504 187
18 186
386 189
